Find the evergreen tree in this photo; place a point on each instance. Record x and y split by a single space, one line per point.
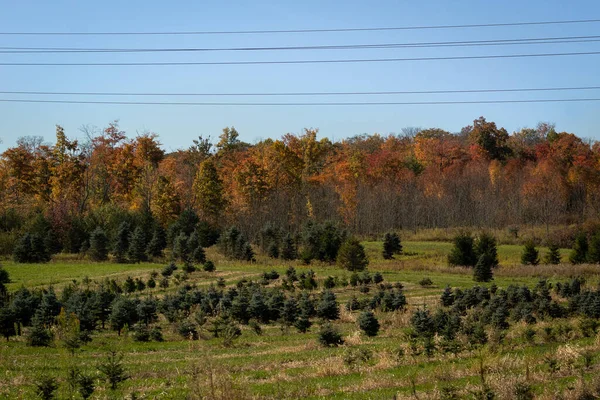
121 245
209 266
288 248
486 244
447 298
368 323
422 323
593 255
530 256
199 255
352 256
329 336
483 269
391 245
463 252
157 243
328 307
273 250
209 190
180 248
137 246
580 249
290 311
52 242
553 255
7 323
113 370
30 249
39 335
257 307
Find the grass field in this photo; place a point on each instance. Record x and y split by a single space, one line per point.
283 363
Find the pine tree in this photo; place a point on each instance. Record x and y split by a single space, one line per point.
22 250
391 245
580 249
98 245
157 243
30 249
553 255
113 370
352 256
368 323
486 244
328 307
121 244
530 256
273 250
593 255
288 248
483 269
7 323
329 336
180 248
463 252
52 242
39 252
137 246
447 298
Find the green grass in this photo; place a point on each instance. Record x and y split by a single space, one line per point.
283 363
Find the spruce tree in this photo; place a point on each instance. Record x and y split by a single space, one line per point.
447 298
180 248
593 255
7 323
580 249
486 244
463 252
98 245
273 250
330 336
121 245
368 323
288 248
352 256
530 256
483 269
52 242
391 245
328 307
22 250
553 255
137 246
157 243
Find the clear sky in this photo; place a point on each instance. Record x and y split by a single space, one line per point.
177 126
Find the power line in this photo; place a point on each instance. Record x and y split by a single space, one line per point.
300 104
342 61
306 93
245 32
495 42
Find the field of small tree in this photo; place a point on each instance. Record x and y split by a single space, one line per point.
319 314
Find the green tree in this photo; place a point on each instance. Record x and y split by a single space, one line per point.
113 369
530 255
137 246
580 249
180 247
391 245
593 255
463 252
157 243
483 269
7 323
486 244
121 245
208 188
329 336
553 255
368 323
328 307
352 256
98 245
288 248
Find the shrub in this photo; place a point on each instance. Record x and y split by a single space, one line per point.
353 356
352 256
391 245
426 282
329 336
113 370
368 323
209 266
530 254
463 252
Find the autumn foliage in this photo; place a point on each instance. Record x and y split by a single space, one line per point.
369 184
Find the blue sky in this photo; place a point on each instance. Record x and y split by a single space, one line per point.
177 126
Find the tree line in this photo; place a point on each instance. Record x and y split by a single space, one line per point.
481 177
